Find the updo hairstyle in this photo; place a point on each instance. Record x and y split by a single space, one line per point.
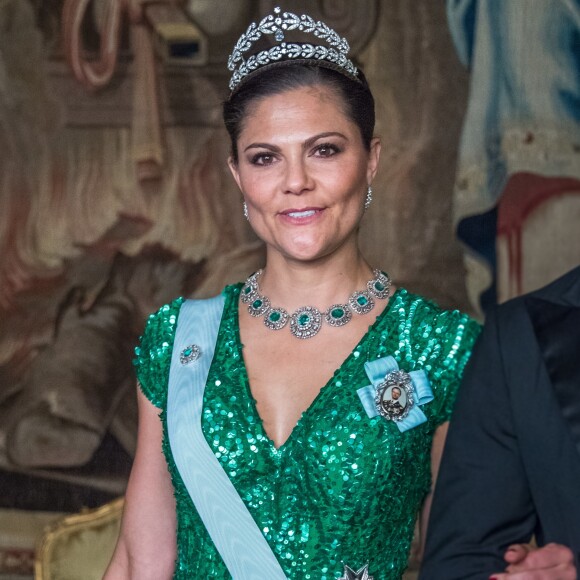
356 97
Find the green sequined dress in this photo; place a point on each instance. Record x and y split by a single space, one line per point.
344 487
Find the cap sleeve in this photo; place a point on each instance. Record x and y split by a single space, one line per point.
455 333
153 353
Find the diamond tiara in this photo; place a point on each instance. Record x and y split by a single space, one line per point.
278 24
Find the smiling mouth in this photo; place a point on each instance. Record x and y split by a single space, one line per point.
302 214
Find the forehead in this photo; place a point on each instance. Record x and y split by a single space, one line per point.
301 110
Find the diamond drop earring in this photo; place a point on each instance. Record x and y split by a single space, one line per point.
369 197
245 206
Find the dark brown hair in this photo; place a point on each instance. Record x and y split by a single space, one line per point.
359 104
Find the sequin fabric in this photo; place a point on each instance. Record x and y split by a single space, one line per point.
343 488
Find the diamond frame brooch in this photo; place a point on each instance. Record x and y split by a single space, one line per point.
189 354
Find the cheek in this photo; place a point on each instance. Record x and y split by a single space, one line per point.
350 179
353 194
253 188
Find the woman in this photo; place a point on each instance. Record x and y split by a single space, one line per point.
297 418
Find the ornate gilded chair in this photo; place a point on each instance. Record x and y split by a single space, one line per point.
80 545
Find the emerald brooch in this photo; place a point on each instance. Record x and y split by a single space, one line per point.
189 354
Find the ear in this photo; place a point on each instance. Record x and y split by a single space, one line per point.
235 171
374 156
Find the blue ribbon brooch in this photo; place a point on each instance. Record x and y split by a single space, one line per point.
395 394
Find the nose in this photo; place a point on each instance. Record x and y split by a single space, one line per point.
297 178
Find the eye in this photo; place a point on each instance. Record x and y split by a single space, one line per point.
262 158
326 150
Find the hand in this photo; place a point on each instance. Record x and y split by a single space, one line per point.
551 562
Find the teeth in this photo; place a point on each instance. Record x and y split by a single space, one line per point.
301 214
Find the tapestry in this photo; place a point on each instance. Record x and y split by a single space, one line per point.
517 190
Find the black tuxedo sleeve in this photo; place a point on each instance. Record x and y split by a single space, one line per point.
482 502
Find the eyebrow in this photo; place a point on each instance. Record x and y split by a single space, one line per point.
309 142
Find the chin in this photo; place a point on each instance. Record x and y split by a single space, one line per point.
309 248
311 253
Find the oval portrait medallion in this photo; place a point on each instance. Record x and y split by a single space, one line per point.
394 396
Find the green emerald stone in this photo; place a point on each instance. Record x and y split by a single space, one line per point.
247 289
257 304
187 351
379 287
362 300
337 313
275 316
303 319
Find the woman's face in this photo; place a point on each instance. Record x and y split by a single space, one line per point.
304 171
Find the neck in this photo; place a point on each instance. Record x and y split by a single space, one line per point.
320 283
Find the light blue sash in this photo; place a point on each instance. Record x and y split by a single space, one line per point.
240 542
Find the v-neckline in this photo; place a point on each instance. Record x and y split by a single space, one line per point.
308 410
